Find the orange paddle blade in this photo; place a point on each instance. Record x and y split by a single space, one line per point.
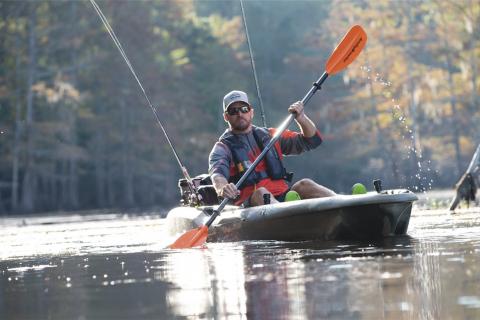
350 47
192 238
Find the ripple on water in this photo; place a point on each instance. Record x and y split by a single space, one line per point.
469 301
107 261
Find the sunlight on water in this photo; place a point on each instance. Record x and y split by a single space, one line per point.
115 266
185 270
28 237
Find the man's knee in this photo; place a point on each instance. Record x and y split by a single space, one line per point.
308 188
257 198
303 184
261 191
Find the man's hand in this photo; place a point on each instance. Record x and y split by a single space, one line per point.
229 191
223 188
297 109
307 126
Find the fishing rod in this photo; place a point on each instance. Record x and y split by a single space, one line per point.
252 63
192 187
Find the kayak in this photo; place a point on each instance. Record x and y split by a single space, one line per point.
342 217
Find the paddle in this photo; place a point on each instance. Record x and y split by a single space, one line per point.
344 54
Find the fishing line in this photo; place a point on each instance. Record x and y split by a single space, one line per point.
130 66
252 63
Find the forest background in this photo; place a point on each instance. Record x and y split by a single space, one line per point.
76 133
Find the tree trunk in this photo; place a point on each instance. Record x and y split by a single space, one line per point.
416 146
128 200
28 190
111 183
63 179
18 130
373 107
455 121
53 186
100 174
473 62
473 79
393 161
455 118
73 170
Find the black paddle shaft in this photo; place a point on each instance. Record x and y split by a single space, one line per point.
316 86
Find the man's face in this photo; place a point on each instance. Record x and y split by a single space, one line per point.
236 116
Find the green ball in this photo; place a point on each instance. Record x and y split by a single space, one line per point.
359 188
292 196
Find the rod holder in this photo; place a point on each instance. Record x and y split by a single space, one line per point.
377 183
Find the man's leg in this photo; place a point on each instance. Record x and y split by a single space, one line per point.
256 199
308 189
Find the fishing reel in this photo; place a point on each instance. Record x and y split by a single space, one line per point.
189 196
199 192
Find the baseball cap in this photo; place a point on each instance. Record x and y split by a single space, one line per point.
234 96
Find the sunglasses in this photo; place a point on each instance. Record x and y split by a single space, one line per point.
234 111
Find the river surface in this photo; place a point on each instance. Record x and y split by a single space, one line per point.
114 266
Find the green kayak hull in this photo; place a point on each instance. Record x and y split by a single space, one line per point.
342 217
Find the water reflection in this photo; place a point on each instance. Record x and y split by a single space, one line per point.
279 280
205 282
434 274
397 278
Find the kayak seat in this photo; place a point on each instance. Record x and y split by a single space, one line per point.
206 190
209 195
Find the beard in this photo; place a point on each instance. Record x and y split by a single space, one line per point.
240 124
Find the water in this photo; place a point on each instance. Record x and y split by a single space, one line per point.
115 267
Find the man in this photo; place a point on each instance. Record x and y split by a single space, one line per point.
240 145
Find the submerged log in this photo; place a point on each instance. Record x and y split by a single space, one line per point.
466 188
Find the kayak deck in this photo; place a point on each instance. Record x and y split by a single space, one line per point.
342 217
